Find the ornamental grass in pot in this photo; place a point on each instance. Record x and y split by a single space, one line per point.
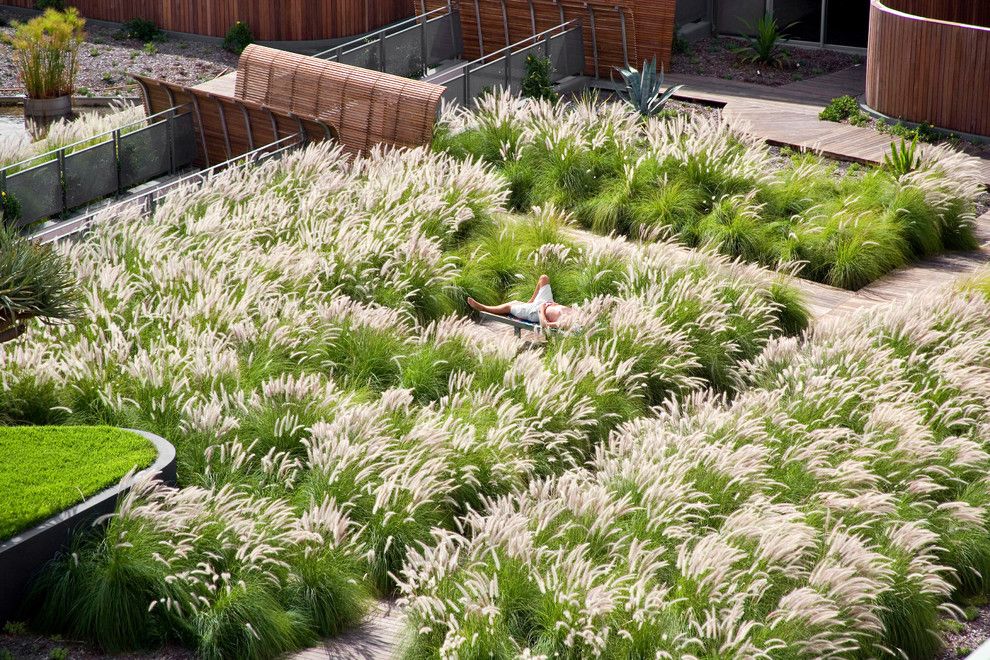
46 51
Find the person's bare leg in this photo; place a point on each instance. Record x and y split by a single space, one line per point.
491 309
540 283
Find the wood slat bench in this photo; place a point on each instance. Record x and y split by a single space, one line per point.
517 324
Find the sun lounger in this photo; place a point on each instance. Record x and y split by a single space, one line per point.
518 325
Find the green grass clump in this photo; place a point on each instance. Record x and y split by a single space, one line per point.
699 181
52 468
839 502
289 328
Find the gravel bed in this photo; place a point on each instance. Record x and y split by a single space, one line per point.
973 633
714 57
28 646
978 149
105 60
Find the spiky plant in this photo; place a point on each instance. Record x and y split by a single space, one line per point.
35 283
765 46
644 89
903 157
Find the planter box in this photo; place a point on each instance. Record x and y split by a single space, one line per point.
48 108
23 556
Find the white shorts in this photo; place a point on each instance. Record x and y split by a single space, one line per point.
531 311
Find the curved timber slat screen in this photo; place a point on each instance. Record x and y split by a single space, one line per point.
934 70
366 107
270 20
227 127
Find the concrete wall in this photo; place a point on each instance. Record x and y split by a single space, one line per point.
691 11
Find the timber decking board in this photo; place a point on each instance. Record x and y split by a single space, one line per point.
788 116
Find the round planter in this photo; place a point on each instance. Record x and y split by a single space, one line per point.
48 108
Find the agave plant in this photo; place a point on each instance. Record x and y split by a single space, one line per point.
644 90
765 46
34 283
903 157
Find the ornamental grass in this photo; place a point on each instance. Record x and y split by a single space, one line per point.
296 329
700 180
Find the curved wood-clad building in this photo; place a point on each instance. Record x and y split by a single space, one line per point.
270 20
929 61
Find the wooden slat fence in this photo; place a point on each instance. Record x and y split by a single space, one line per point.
270 20
923 70
615 32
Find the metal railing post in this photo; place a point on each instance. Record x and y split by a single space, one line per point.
594 38
424 64
170 132
60 156
381 51
116 158
508 70
467 84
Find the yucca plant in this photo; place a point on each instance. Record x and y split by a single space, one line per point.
46 52
765 45
644 89
903 157
35 282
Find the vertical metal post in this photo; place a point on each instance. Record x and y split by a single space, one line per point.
508 70
467 84
505 24
170 133
381 51
625 46
62 182
423 50
594 38
116 157
546 46
477 19
821 33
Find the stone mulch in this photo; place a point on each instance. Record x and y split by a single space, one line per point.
106 59
971 635
28 646
714 57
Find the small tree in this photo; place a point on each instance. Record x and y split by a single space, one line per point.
35 282
46 51
238 38
537 83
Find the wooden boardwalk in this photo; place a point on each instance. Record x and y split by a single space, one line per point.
788 115
378 638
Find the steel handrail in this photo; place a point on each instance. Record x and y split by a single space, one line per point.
371 37
54 153
151 198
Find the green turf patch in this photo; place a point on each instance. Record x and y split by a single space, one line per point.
47 469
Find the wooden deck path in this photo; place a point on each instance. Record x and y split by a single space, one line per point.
788 115
378 638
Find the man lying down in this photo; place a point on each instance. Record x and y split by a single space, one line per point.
541 308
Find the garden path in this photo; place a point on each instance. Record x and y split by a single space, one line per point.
788 115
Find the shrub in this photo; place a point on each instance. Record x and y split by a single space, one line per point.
34 282
46 52
841 109
143 30
537 82
644 91
10 209
238 38
765 46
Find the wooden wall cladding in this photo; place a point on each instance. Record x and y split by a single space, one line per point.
923 70
270 20
648 25
969 12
